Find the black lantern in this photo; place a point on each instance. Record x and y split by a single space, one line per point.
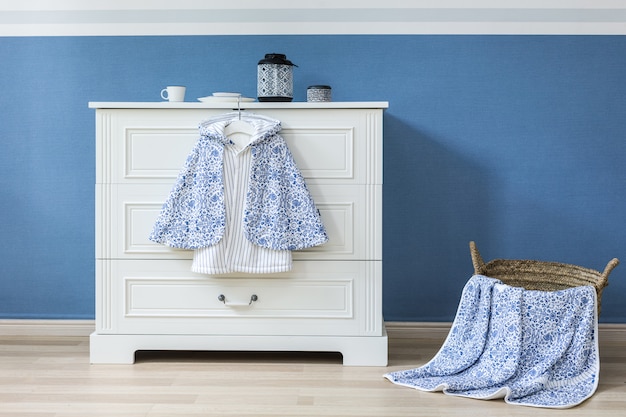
275 78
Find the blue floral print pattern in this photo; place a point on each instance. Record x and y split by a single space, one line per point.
533 348
194 214
280 213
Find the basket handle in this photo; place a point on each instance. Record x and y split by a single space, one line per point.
477 260
609 267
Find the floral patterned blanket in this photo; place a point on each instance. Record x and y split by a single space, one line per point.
533 348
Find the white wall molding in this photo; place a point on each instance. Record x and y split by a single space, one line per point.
252 17
607 332
47 328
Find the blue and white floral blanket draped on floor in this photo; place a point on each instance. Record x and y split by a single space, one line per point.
533 348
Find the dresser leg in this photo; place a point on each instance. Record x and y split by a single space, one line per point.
109 349
365 351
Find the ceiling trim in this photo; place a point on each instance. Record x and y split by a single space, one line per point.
289 17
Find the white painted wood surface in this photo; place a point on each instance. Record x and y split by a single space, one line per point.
146 296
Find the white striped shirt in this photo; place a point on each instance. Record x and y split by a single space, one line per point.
234 252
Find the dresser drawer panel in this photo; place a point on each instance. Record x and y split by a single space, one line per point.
150 146
156 153
139 145
344 211
133 211
164 296
322 153
238 297
339 146
352 216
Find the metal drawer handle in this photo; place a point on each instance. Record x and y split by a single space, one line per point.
222 298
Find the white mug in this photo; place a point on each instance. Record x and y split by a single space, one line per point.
173 93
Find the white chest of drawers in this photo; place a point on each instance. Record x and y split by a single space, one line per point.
147 298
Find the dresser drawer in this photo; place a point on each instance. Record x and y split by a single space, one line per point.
351 215
150 297
150 146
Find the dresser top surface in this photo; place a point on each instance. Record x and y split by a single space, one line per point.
231 105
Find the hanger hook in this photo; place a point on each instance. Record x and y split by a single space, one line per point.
239 106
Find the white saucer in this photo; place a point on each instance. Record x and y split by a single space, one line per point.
227 94
228 99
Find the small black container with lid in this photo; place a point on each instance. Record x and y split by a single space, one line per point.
275 78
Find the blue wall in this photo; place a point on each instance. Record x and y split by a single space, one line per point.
517 142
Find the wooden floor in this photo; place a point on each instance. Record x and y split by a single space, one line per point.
51 376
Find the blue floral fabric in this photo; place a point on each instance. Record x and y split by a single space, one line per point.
280 213
533 348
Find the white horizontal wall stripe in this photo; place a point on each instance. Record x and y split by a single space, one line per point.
302 4
313 16
193 17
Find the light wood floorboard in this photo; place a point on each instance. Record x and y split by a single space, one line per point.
50 376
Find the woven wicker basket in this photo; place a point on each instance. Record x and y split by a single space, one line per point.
540 275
